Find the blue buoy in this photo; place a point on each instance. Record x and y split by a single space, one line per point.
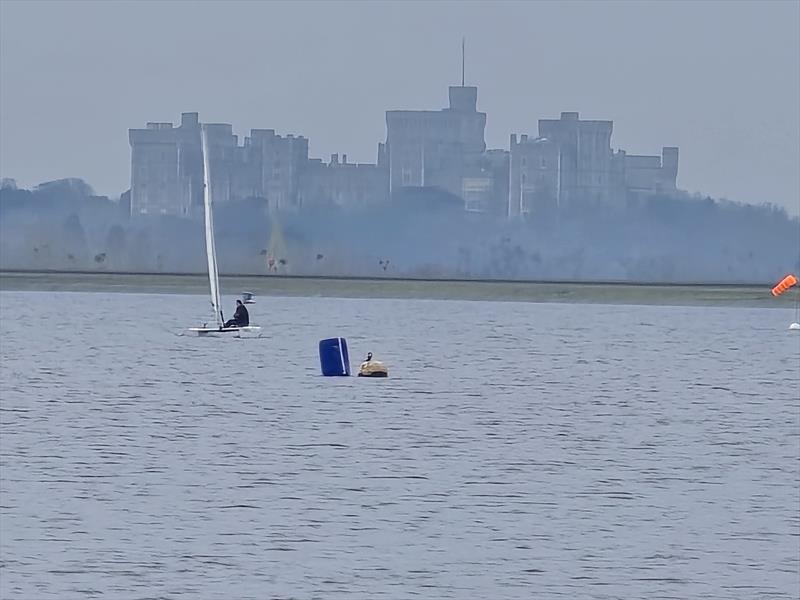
333 358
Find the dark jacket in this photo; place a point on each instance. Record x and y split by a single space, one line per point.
241 317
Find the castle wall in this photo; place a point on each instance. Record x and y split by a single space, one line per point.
568 166
533 177
343 185
436 148
585 158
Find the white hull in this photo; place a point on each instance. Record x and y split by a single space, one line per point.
242 332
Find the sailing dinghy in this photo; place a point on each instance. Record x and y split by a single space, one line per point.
217 328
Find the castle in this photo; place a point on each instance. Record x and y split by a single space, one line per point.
568 164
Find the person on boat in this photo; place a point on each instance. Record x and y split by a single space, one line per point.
240 317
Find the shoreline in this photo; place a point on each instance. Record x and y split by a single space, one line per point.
379 278
574 292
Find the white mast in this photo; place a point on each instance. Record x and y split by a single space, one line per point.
211 254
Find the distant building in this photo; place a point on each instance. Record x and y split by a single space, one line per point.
223 158
533 177
485 189
274 167
436 148
641 176
342 184
164 167
167 166
584 157
571 164
568 166
167 170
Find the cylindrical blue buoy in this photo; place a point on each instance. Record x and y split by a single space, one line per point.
333 357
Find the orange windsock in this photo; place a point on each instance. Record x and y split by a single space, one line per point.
784 285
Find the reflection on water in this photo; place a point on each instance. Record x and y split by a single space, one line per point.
516 450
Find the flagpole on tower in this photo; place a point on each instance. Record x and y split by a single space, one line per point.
462 62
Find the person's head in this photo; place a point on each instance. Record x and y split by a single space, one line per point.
238 303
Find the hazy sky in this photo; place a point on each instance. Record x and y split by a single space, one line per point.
719 79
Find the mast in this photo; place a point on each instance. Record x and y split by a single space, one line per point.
211 253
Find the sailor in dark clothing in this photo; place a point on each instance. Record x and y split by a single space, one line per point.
240 317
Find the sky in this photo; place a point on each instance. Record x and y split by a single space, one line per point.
721 80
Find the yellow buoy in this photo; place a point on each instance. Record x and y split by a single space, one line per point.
372 368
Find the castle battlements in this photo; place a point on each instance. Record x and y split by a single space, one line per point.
568 164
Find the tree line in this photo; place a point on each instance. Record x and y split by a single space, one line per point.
64 225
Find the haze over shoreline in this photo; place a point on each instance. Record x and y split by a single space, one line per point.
64 226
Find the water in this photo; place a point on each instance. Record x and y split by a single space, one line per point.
517 450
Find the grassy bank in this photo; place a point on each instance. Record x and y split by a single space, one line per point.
520 291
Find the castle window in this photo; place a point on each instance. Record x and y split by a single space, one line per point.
543 163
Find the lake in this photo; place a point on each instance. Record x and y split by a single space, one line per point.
517 450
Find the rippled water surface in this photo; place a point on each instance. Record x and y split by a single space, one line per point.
516 451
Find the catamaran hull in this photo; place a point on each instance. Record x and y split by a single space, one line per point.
242 332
